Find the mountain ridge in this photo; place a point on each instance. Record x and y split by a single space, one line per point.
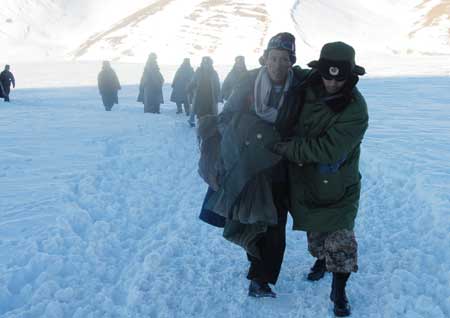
64 30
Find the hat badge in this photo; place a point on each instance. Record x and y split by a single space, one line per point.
334 71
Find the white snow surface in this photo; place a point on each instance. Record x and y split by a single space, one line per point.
99 213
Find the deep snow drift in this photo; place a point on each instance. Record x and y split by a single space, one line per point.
98 213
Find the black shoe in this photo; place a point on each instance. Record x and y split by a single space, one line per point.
338 296
259 290
318 270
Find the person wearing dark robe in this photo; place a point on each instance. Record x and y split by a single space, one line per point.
108 86
205 87
6 80
237 72
180 94
150 88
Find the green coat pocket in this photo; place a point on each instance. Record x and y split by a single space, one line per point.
324 188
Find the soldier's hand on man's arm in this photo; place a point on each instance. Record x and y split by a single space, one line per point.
285 149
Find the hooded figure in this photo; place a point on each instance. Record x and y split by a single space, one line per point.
237 72
150 88
108 85
324 177
205 87
6 79
180 83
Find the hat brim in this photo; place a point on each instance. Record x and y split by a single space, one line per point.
358 70
314 64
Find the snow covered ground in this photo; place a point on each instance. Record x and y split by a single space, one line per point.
98 213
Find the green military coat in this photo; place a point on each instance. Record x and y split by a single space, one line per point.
324 162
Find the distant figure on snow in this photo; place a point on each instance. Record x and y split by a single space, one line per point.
6 79
108 85
237 72
150 88
206 91
180 83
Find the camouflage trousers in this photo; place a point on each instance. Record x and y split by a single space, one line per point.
339 249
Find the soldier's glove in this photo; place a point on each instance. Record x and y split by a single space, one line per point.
280 148
287 149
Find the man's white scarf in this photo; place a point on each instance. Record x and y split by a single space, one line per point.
263 88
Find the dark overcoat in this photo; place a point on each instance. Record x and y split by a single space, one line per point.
6 79
232 79
180 83
108 86
150 88
205 86
324 177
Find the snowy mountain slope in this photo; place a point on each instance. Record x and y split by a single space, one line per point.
120 30
184 28
396 27
49 29
369 24
432 25
127 31
99 213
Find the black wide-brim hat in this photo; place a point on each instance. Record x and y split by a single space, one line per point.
337 60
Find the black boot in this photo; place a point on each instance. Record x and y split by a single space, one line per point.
258 289
318 270
338 296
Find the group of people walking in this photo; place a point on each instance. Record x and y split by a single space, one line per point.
288 142
197 93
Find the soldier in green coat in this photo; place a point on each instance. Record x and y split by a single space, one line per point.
324 166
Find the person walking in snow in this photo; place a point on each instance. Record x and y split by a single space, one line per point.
180 83
205 88
150 88
6 80
108 86
237 72
324 178
251 187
